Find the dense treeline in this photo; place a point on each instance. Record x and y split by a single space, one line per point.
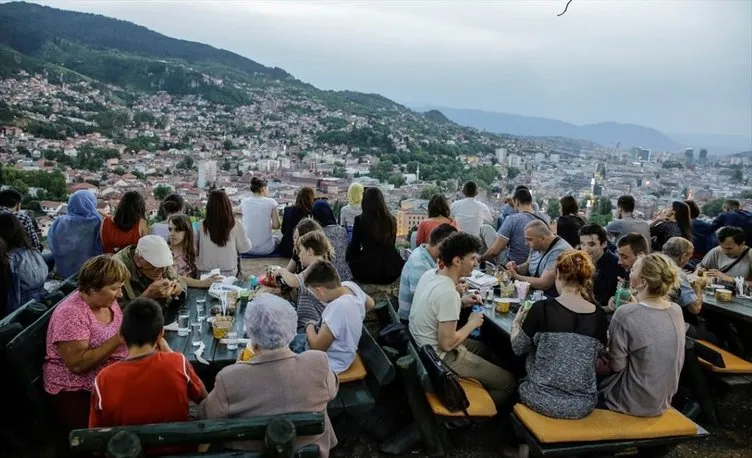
52 182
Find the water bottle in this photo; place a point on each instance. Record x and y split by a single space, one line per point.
621 293
476 332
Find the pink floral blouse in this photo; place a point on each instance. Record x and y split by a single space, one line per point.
74 320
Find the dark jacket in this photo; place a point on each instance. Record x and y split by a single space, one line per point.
737 218
290 218
371 260
703 238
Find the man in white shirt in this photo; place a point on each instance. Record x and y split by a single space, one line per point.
469 212
436 310
342 319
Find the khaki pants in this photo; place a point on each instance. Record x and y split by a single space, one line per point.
471 360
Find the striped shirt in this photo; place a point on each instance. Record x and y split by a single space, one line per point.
309 308
419 262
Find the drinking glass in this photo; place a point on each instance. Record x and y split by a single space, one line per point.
183 319
201 309
232 340
196 334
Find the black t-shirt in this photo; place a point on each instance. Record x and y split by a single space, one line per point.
549 315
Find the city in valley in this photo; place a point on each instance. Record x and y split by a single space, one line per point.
158 143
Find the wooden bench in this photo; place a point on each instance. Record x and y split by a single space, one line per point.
429 413
25 357
603 432
361 383
278 433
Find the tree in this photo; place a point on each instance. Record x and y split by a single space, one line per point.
226 166
736 177
604 206
186 163
412 166
713 207
161 191
429 191
552 208
396 179
601 220
227 145
512 172
339 172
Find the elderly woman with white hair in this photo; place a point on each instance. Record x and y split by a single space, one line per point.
276 380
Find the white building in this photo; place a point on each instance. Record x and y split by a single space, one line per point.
514 161
554 158
501 155
207 173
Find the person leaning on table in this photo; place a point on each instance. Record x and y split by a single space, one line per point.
83 336
276 380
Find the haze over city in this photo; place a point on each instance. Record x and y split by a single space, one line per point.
676 66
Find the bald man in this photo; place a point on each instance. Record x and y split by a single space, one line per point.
540 268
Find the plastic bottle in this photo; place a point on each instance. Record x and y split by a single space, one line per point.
476 308
621 293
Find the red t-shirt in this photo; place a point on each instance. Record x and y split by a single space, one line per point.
152 389
425 227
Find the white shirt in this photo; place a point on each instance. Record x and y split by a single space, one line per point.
435 301
470 214
257 219
344 317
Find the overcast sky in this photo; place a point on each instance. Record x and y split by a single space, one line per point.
679 66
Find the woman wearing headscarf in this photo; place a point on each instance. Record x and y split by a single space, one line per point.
337 235
75 237
352 209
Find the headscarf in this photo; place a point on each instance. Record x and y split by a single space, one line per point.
74 237
323 214
355 194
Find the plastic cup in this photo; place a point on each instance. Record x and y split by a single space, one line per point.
183 319
201 309
220 328
522 289
502 306
232 340
196 334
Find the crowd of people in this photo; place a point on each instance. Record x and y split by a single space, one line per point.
585 346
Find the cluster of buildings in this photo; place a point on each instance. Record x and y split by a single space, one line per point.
191 145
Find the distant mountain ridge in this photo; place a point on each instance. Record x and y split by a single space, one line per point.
605 133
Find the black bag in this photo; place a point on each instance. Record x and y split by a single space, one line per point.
395 335
445 382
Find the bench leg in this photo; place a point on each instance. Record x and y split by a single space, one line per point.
403 441
430 433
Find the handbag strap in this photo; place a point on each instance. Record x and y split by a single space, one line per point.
725 269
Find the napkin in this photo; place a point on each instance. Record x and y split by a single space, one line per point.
199 352
240 341
172 326
211 274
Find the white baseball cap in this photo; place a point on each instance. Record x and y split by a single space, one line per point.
154 250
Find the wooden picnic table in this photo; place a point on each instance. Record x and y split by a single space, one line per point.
215 353
740 309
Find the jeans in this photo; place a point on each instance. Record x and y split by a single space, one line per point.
471 360
299 343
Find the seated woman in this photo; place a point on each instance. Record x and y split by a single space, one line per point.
83 337
646 342
305 226
171 205
371 254
671 222
276 381
75 237
292 215
311 247
341 325
221 237
183 251
337 235
4 276
260 217
127 226
438 214
352 209
562 338
26 268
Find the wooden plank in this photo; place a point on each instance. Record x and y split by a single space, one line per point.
309 451
376 361
416 399
356 398
740 309
194 432
643 446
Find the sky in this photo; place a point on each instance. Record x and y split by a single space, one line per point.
678 66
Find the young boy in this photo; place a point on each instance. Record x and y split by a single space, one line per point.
152 384
342 319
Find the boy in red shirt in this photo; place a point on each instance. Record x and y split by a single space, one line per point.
153 384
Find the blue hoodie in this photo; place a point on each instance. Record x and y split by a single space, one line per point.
74 238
